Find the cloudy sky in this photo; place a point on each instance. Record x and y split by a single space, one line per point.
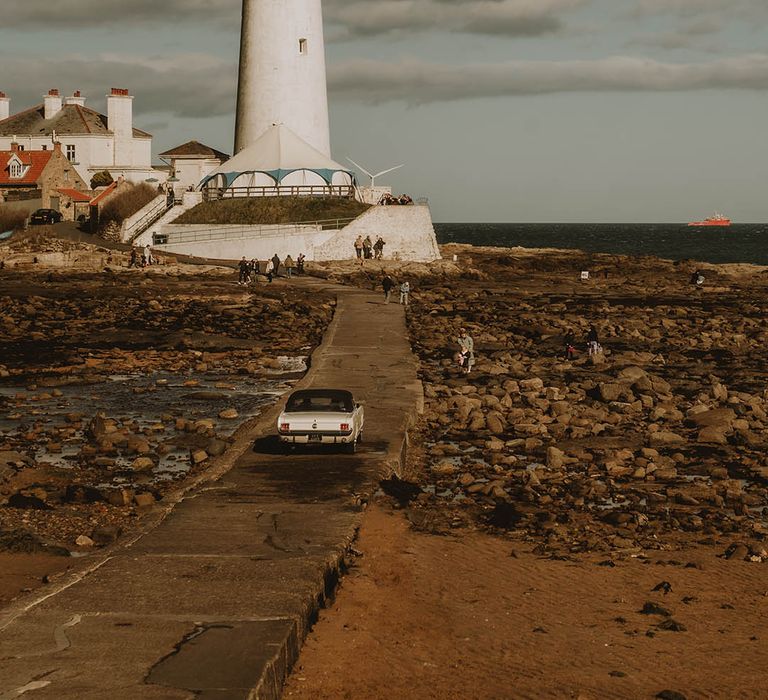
502 110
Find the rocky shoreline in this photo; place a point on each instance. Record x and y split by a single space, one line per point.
657 443
117 387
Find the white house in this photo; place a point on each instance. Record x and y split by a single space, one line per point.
192 162
91 141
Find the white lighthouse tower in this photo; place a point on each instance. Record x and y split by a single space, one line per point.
282 72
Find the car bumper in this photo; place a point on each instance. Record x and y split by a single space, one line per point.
316 438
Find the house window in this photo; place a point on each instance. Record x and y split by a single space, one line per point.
66 176
70 153
303 47
15 169
21 148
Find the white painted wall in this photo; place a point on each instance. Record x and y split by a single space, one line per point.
96 152
191 171
5 108
262 243
278 84
407 231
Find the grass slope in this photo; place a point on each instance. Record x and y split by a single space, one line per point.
272 210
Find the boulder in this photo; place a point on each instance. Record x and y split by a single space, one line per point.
141 464
720 418
609 391
666 437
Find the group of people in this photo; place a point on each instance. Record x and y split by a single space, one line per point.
388 284
592 344
366 249
388 199
146 258
248 269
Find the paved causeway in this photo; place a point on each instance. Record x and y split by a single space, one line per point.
214 601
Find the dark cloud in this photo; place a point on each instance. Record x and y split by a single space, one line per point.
715 10
200 86
493 17
193 85
352 18
77 14
420 83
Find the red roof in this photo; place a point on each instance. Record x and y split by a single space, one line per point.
37 160
74 195
110 188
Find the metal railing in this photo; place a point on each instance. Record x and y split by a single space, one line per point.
213 194
138 227
228 233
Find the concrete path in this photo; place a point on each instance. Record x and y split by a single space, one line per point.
214 601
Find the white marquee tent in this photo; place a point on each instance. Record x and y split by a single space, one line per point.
279 163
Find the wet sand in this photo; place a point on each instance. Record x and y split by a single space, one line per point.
547 498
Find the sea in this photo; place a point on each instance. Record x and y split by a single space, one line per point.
739 243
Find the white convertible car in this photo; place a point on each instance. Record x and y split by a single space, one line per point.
321 417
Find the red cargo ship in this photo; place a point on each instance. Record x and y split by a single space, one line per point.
714 220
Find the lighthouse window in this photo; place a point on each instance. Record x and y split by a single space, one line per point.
302 46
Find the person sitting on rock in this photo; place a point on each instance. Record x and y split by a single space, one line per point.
467 350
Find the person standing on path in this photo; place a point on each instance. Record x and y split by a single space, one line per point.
467 349
243 269
300 263
289 265
269 270
276 265
367 248
378 248
405 290
359 248
388 284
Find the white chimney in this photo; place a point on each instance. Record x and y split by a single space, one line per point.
76 99
120 123
5 106
52 103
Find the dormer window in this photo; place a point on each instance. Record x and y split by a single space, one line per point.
15 168
303 47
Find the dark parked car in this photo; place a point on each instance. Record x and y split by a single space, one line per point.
45 216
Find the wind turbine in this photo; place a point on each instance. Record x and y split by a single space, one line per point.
372 176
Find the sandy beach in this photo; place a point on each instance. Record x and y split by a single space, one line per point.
591 527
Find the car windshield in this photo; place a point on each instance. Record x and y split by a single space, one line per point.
336 401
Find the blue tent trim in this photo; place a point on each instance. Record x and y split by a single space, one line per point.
277 175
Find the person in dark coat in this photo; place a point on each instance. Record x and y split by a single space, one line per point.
388 284
276 263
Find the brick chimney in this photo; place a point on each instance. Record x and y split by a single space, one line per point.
76 99
5 106
52 103
120 123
